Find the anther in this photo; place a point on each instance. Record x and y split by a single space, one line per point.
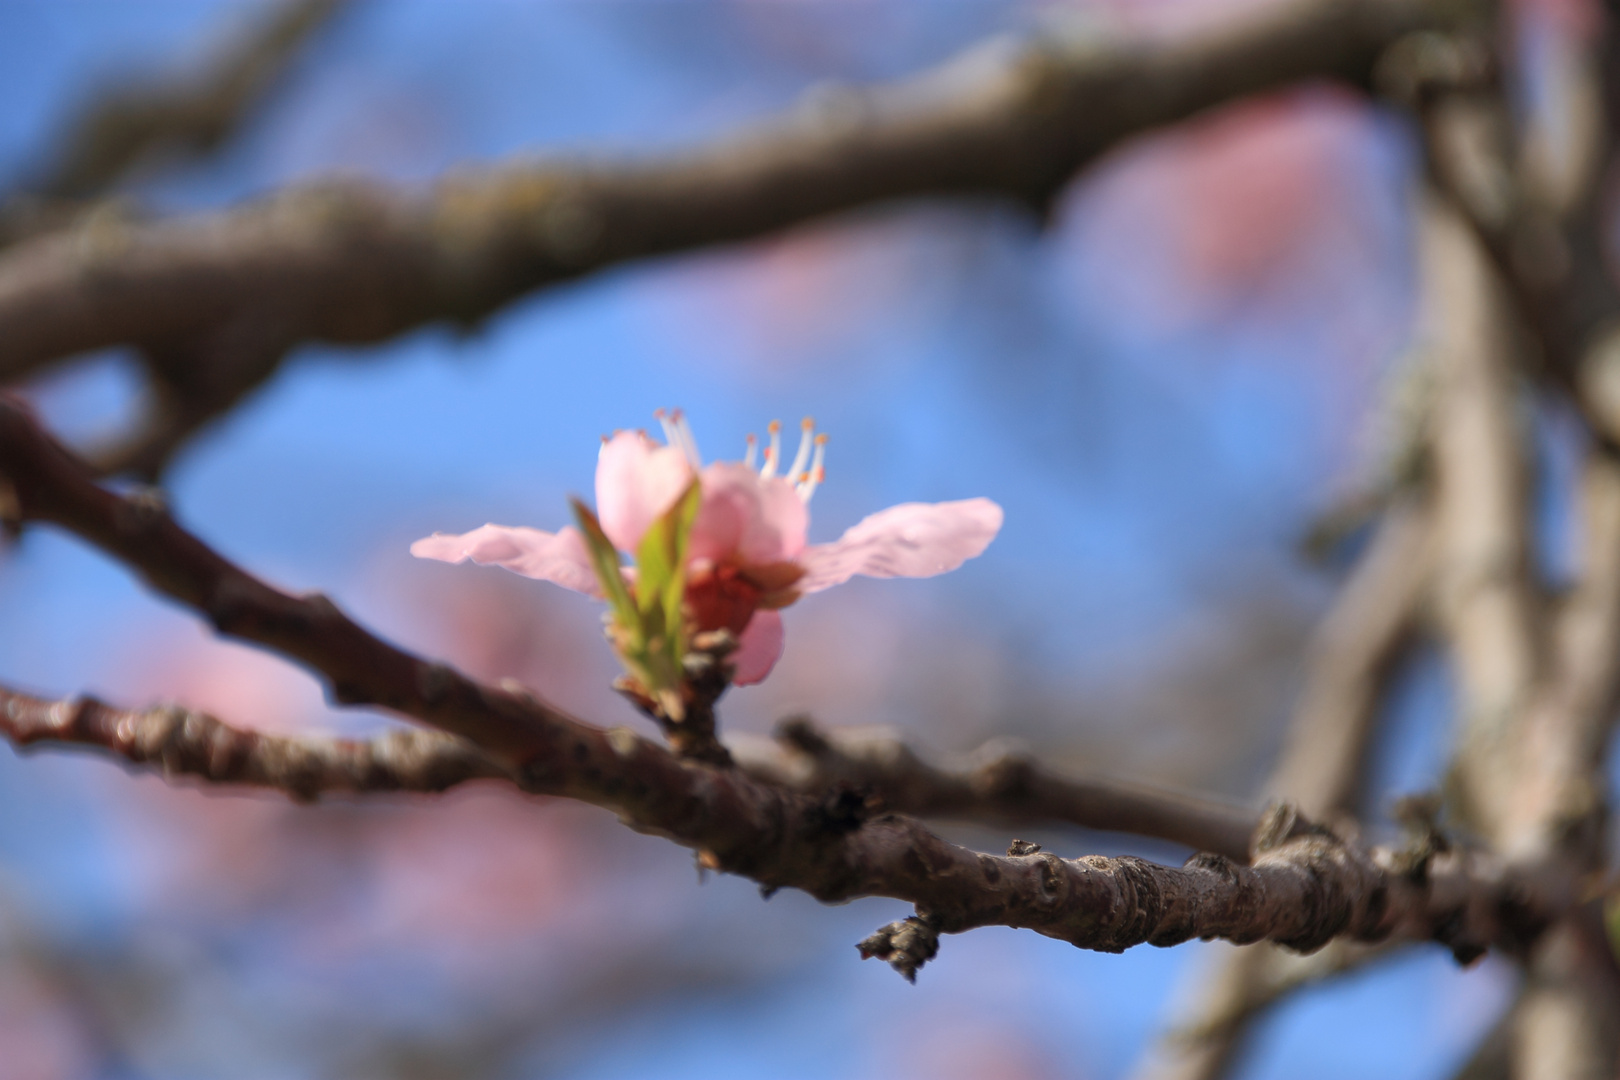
773 452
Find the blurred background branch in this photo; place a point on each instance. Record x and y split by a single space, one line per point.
134 123
1322 768
215 302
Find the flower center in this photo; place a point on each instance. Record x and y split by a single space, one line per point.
721 597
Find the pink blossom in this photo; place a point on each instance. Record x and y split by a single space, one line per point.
747 556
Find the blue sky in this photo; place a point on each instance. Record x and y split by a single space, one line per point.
1159 443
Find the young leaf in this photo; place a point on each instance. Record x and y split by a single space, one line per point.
605 561
661 587
661 558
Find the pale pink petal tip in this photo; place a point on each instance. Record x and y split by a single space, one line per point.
558 557
909 540
759 648
636 481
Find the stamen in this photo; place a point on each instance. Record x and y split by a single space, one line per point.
806 427
752 451
688 443
817 473
671 435
773 452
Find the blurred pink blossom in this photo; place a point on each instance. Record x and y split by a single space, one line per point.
748 554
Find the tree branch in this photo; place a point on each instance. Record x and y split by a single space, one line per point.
1321 766
353 263
191 115
1348 666
1304 887
181 742
1538 693
1009 789
1001 786
1267 977
1488 606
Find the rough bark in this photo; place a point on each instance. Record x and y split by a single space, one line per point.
181 742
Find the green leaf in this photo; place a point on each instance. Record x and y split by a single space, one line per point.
661 558
605 561
661 588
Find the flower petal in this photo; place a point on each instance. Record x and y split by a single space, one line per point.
745 515
636 481
909 540
758 649
558 557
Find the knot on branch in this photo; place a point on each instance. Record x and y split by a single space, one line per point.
141 511
1344 889
843 809
1418 68
1281 822
801 733
905 946
1006 775
1419 815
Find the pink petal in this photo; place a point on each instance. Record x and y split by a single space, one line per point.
909 540
759 648
558 557
746 515
636 481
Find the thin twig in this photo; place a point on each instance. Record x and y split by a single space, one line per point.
1277 976
190 115
998 785
1488 605
182 742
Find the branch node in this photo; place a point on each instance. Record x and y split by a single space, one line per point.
1213 863
1008 773
905 946
843 809
1022 847
140 511
11 515
623 741
1280 822
1419 815
801 733
433 682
